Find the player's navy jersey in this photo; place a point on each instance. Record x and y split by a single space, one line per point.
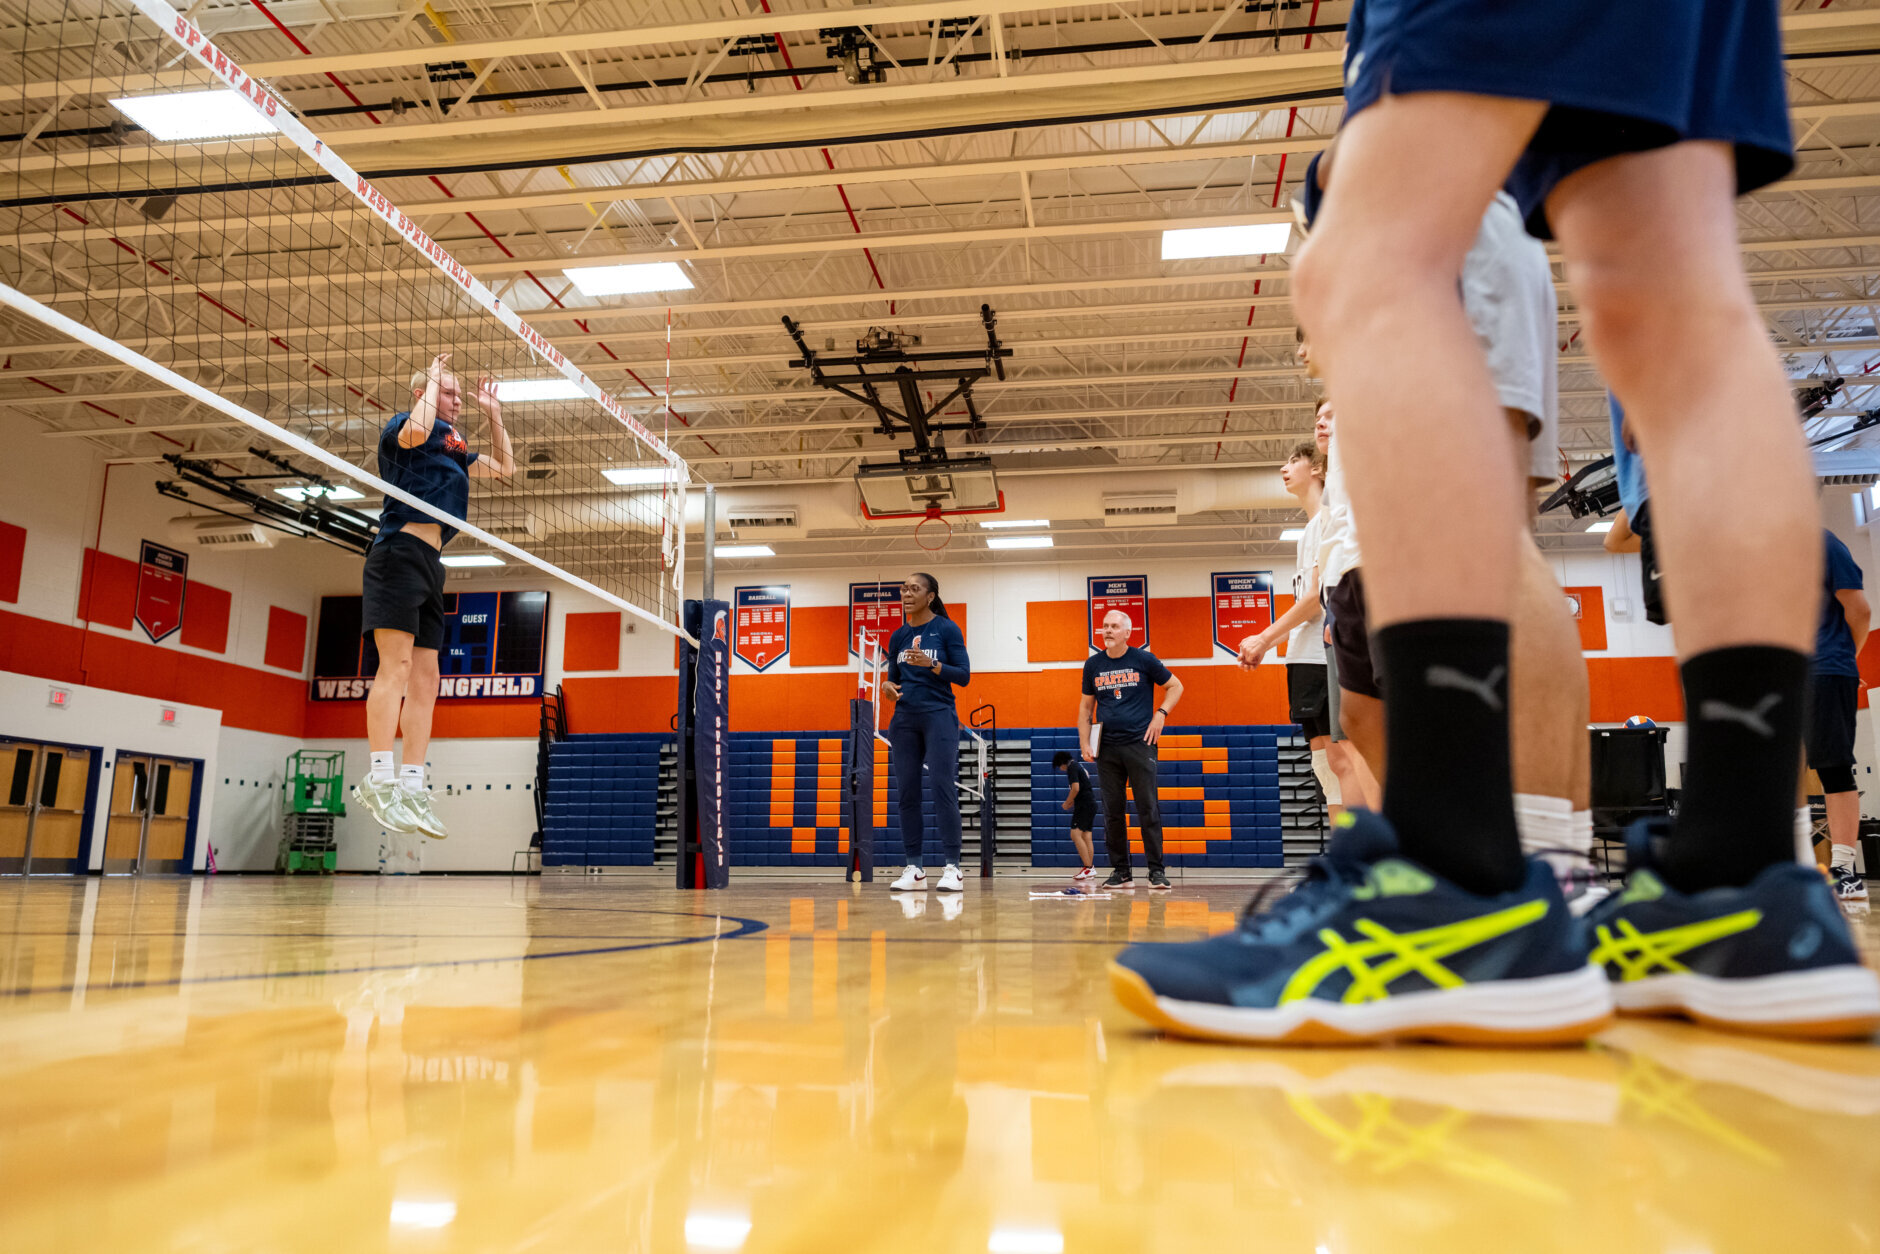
437 472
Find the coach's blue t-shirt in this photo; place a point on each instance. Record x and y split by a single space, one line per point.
437 472
922 691
1834 640
1125 691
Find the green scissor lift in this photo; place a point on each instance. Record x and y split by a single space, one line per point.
315 795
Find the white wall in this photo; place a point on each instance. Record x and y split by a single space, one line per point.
248 779
114 722
482 790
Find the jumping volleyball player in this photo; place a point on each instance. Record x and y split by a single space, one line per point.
1626 130
422 453
926 658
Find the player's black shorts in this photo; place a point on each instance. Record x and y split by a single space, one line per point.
1832 701
1084 817
404 590
1622 76
1351 638
1307 700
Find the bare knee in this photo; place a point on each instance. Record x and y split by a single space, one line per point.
421 683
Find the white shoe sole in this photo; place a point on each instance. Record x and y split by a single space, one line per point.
919 885
1545 1010
1827 1002
944 887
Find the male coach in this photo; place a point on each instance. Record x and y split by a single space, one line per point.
422 453
1119 696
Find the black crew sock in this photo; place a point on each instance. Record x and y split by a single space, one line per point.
1449 787
1743 748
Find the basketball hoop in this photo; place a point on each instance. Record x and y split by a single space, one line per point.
927 536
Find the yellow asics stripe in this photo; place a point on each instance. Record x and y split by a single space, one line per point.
1635 953
1410 951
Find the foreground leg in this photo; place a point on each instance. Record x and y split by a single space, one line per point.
1377 290
1652 253
1651 247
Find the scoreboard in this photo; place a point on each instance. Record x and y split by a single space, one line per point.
495 645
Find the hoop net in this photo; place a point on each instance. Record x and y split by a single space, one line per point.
200 291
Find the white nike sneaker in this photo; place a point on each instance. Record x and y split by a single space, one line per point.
1084 876
418 807
913 879
384 800
950 881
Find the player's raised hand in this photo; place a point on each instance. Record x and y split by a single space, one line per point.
487 399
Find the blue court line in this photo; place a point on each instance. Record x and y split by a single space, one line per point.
746 927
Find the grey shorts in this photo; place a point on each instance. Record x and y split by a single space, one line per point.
1508 293
1331 697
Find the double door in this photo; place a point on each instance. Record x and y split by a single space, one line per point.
43 792
152 805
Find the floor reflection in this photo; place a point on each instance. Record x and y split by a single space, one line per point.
569 1065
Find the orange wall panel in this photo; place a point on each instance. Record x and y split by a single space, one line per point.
205 617
287 640
591 642
1591 620
1183 627
1624 686
12 559
1057 631
107 589
819 635
1282 601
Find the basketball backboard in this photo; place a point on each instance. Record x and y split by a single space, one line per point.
955 485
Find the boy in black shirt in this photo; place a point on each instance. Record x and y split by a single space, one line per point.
1119 693
1083 808
423 453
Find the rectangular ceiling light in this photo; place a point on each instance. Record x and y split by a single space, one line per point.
1292 533
1603 525
1226 241
995 523
537 390
745 550
473 559
337 492
186 115
636 476
655 276
1019 542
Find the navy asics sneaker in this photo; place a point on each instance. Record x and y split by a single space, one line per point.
1774 957
1374 947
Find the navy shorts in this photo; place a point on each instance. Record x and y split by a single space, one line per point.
1622 76
404 590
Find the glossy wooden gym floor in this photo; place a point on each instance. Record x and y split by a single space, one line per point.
569 1065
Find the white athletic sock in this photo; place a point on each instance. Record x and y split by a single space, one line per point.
1545 823
1843 857
383 771
411 777
1805 836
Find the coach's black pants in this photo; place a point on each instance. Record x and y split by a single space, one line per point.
1132 761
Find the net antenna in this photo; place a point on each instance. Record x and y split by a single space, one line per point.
264 284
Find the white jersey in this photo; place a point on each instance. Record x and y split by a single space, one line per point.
1306 645
1508 293
1338 533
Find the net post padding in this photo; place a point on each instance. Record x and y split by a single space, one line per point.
861 790
15 299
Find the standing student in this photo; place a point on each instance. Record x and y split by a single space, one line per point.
1302 626
1626 130
1119 695
423 453
926 658
1083 807
1833 695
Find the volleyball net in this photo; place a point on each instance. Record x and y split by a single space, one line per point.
183 256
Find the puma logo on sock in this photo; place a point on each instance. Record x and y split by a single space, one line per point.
1450 677
1755 719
